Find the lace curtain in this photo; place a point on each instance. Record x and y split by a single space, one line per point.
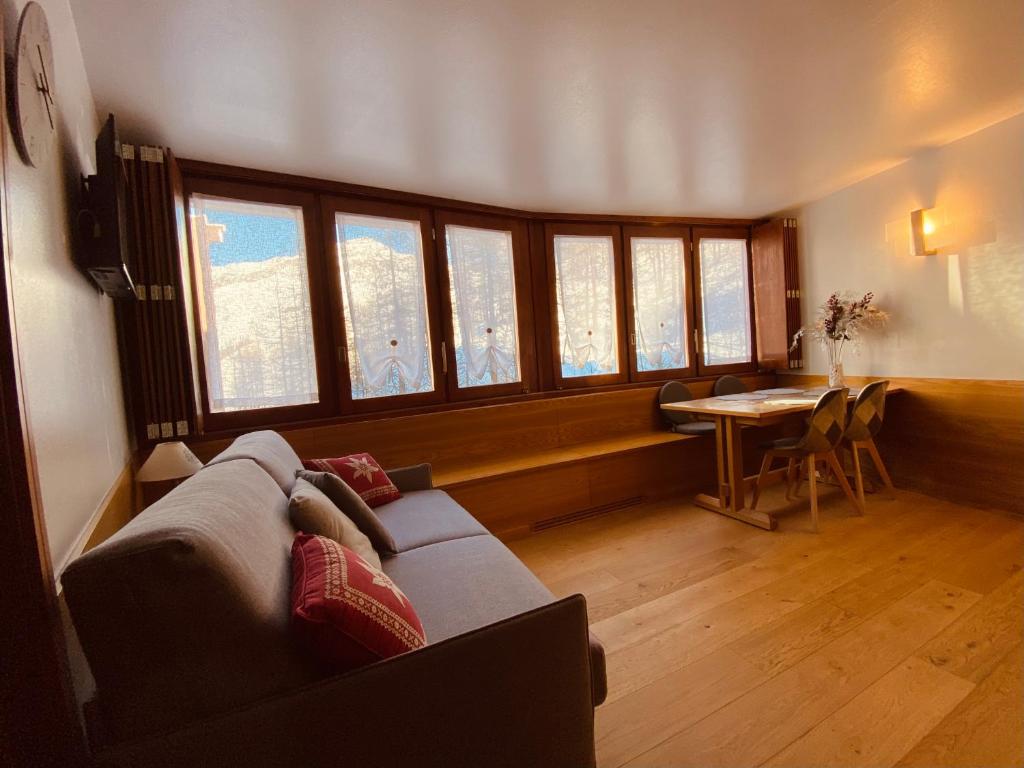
585 290
256 319
659 280
483 298
384 296
725 298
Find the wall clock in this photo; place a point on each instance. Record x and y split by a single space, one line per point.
35 110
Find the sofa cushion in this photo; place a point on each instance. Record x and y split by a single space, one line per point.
312 512
183 613
363 475
270 451
349 502
426 517
465 584
346 612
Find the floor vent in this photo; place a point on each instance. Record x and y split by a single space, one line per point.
584 514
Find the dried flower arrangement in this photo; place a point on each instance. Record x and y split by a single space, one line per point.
841 319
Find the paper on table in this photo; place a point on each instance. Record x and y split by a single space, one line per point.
744 396
779 391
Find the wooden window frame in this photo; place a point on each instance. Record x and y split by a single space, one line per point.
670 233
527 358
325 370
330 207
731 233
614 231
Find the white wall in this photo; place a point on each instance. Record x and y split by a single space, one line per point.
65 328
958 314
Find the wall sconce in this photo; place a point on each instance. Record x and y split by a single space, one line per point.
921 226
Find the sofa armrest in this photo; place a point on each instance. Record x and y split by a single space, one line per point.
415 478
512 694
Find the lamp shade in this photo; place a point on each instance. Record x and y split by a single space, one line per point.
169 461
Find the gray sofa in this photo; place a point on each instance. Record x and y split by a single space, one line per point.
183 616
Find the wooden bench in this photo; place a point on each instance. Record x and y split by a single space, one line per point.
528 465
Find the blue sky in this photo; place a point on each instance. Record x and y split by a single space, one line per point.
252 238
258 238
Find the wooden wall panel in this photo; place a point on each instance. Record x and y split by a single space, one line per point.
454 438
958 439
509 506
525 439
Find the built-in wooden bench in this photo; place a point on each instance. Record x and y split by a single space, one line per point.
531 464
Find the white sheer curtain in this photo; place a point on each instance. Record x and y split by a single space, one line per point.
384 295
659 281
725 301
483 295
255 314
585 290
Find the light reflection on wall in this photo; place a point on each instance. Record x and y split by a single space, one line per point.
957 313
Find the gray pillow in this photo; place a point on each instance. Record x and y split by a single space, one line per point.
312 512
352 505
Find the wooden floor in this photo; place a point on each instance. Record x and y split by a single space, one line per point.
892 639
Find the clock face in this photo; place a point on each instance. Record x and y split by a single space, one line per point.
35 107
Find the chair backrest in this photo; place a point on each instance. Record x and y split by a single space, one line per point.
868 412
675 392
827 421
729 385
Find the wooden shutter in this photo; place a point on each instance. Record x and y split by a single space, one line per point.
156 365
776 294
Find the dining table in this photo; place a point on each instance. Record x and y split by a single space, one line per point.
731 413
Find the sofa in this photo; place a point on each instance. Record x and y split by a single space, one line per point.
183 615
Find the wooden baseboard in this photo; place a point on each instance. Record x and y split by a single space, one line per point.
116 509
957 439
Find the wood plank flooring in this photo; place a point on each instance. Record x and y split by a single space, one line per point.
890 639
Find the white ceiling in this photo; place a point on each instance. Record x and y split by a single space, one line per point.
722 108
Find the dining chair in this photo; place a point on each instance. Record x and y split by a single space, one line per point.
865 422
678 421
728 385
825 429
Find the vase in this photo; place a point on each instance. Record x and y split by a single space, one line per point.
835 376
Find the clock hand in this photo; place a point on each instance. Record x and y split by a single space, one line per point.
44 86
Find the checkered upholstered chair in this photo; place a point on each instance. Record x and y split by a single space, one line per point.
728 385
865 422
683 423
825 429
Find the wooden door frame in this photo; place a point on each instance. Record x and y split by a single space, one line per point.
38 712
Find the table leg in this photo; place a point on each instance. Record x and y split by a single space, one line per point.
723 488
731 498
734 466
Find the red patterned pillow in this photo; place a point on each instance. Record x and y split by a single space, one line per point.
362 474
345 611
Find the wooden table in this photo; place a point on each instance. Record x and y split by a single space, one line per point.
731 413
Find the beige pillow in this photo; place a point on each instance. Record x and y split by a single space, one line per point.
312 512
353 507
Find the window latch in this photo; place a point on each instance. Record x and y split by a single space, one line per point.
696 341
444 357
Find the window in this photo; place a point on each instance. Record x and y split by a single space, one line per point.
483 297
660 306
586 265
256 316
384 298
724 291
